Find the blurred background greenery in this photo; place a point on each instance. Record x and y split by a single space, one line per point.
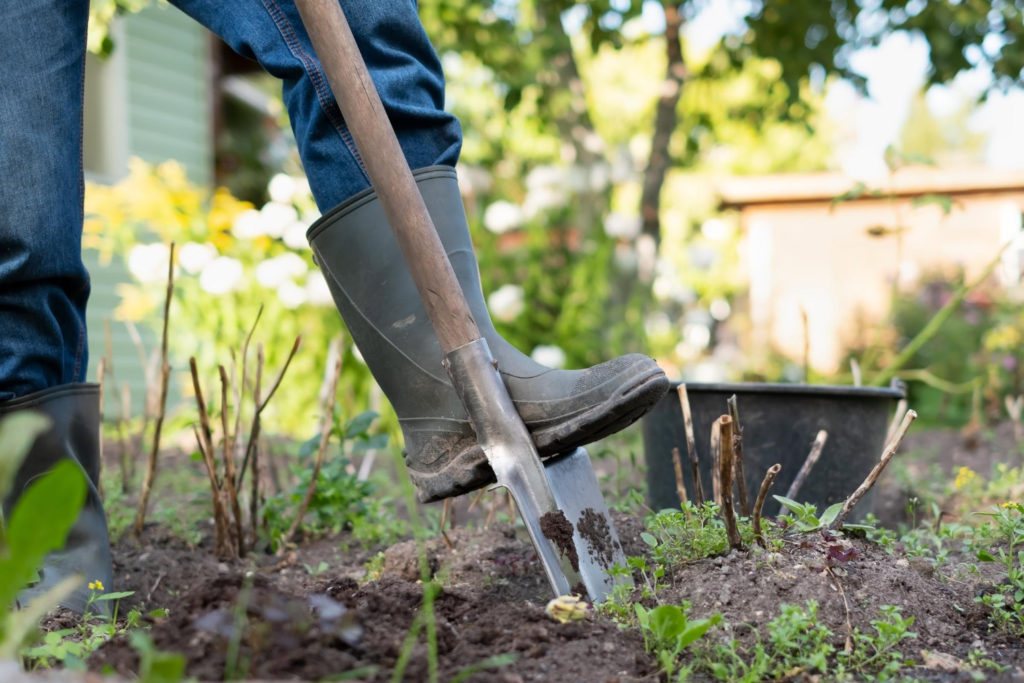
594 132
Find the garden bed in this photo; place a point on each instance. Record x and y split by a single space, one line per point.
320 611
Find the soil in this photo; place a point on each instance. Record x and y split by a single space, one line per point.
266 617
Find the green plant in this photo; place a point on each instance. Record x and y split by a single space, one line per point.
319 569
1007 601
668 631
805 515
875 655
690 533
38 524
156 666
341 500
70 647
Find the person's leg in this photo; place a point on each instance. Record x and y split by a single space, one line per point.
400 58
364 268
43 283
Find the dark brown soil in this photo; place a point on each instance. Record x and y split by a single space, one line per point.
267 617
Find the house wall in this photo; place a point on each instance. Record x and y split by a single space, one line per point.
150 99
812 257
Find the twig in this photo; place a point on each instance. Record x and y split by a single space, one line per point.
809 462
444 520
678 467
126 461
165 371
229 461
476 499
254 446
263 404
205 438
887 454
325 434
716 460
731 530
848 645
766 483
691 445
1014 407
897 418
855 372
737 452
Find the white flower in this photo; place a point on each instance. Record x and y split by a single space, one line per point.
193 256
148 262
221 275
248 224
549 355
282 188
277 217
291 295
622 226
502 216
295 235
506 302
316 289
273 272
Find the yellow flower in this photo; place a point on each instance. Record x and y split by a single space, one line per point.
963 476
96 585
1010 505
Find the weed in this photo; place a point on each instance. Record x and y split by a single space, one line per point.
1007 601
156 666
374 568
317 570
875 655
668 631
688 534
805 515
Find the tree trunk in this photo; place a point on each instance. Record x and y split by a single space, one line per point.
666 118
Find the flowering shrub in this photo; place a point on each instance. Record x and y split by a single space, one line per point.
232 258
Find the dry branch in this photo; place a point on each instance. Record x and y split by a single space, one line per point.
809 462
325 434
897 418
887 454
766 483
1014 407
731 530
737 452
677 466
716 460
691 445
165 371
225 542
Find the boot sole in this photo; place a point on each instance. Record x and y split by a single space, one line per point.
469 470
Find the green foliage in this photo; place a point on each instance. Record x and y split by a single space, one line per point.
805 514
156 666
101 14
668 631
691 533
1006 602
38 524
341 501
875 655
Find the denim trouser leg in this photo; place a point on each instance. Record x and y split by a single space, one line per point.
43 284
400 59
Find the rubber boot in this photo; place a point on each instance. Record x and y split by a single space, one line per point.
373 290
73 434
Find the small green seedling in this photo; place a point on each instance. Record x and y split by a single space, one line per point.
667 631
806 519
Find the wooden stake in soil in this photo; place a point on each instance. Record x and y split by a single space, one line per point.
716 460
325 433
225 542
809 462
691 445
731 530
677 466
165 371
887 454
766 483
737 452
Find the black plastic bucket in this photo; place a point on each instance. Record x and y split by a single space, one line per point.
779 424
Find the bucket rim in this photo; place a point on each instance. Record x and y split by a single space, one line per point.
896 392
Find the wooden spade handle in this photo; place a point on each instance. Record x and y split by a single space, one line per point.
389 172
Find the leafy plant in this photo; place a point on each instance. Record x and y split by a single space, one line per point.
667 631
1007 601
874 655
691 533
806 519
340 498
38 524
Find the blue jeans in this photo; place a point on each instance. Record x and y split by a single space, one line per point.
43 284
